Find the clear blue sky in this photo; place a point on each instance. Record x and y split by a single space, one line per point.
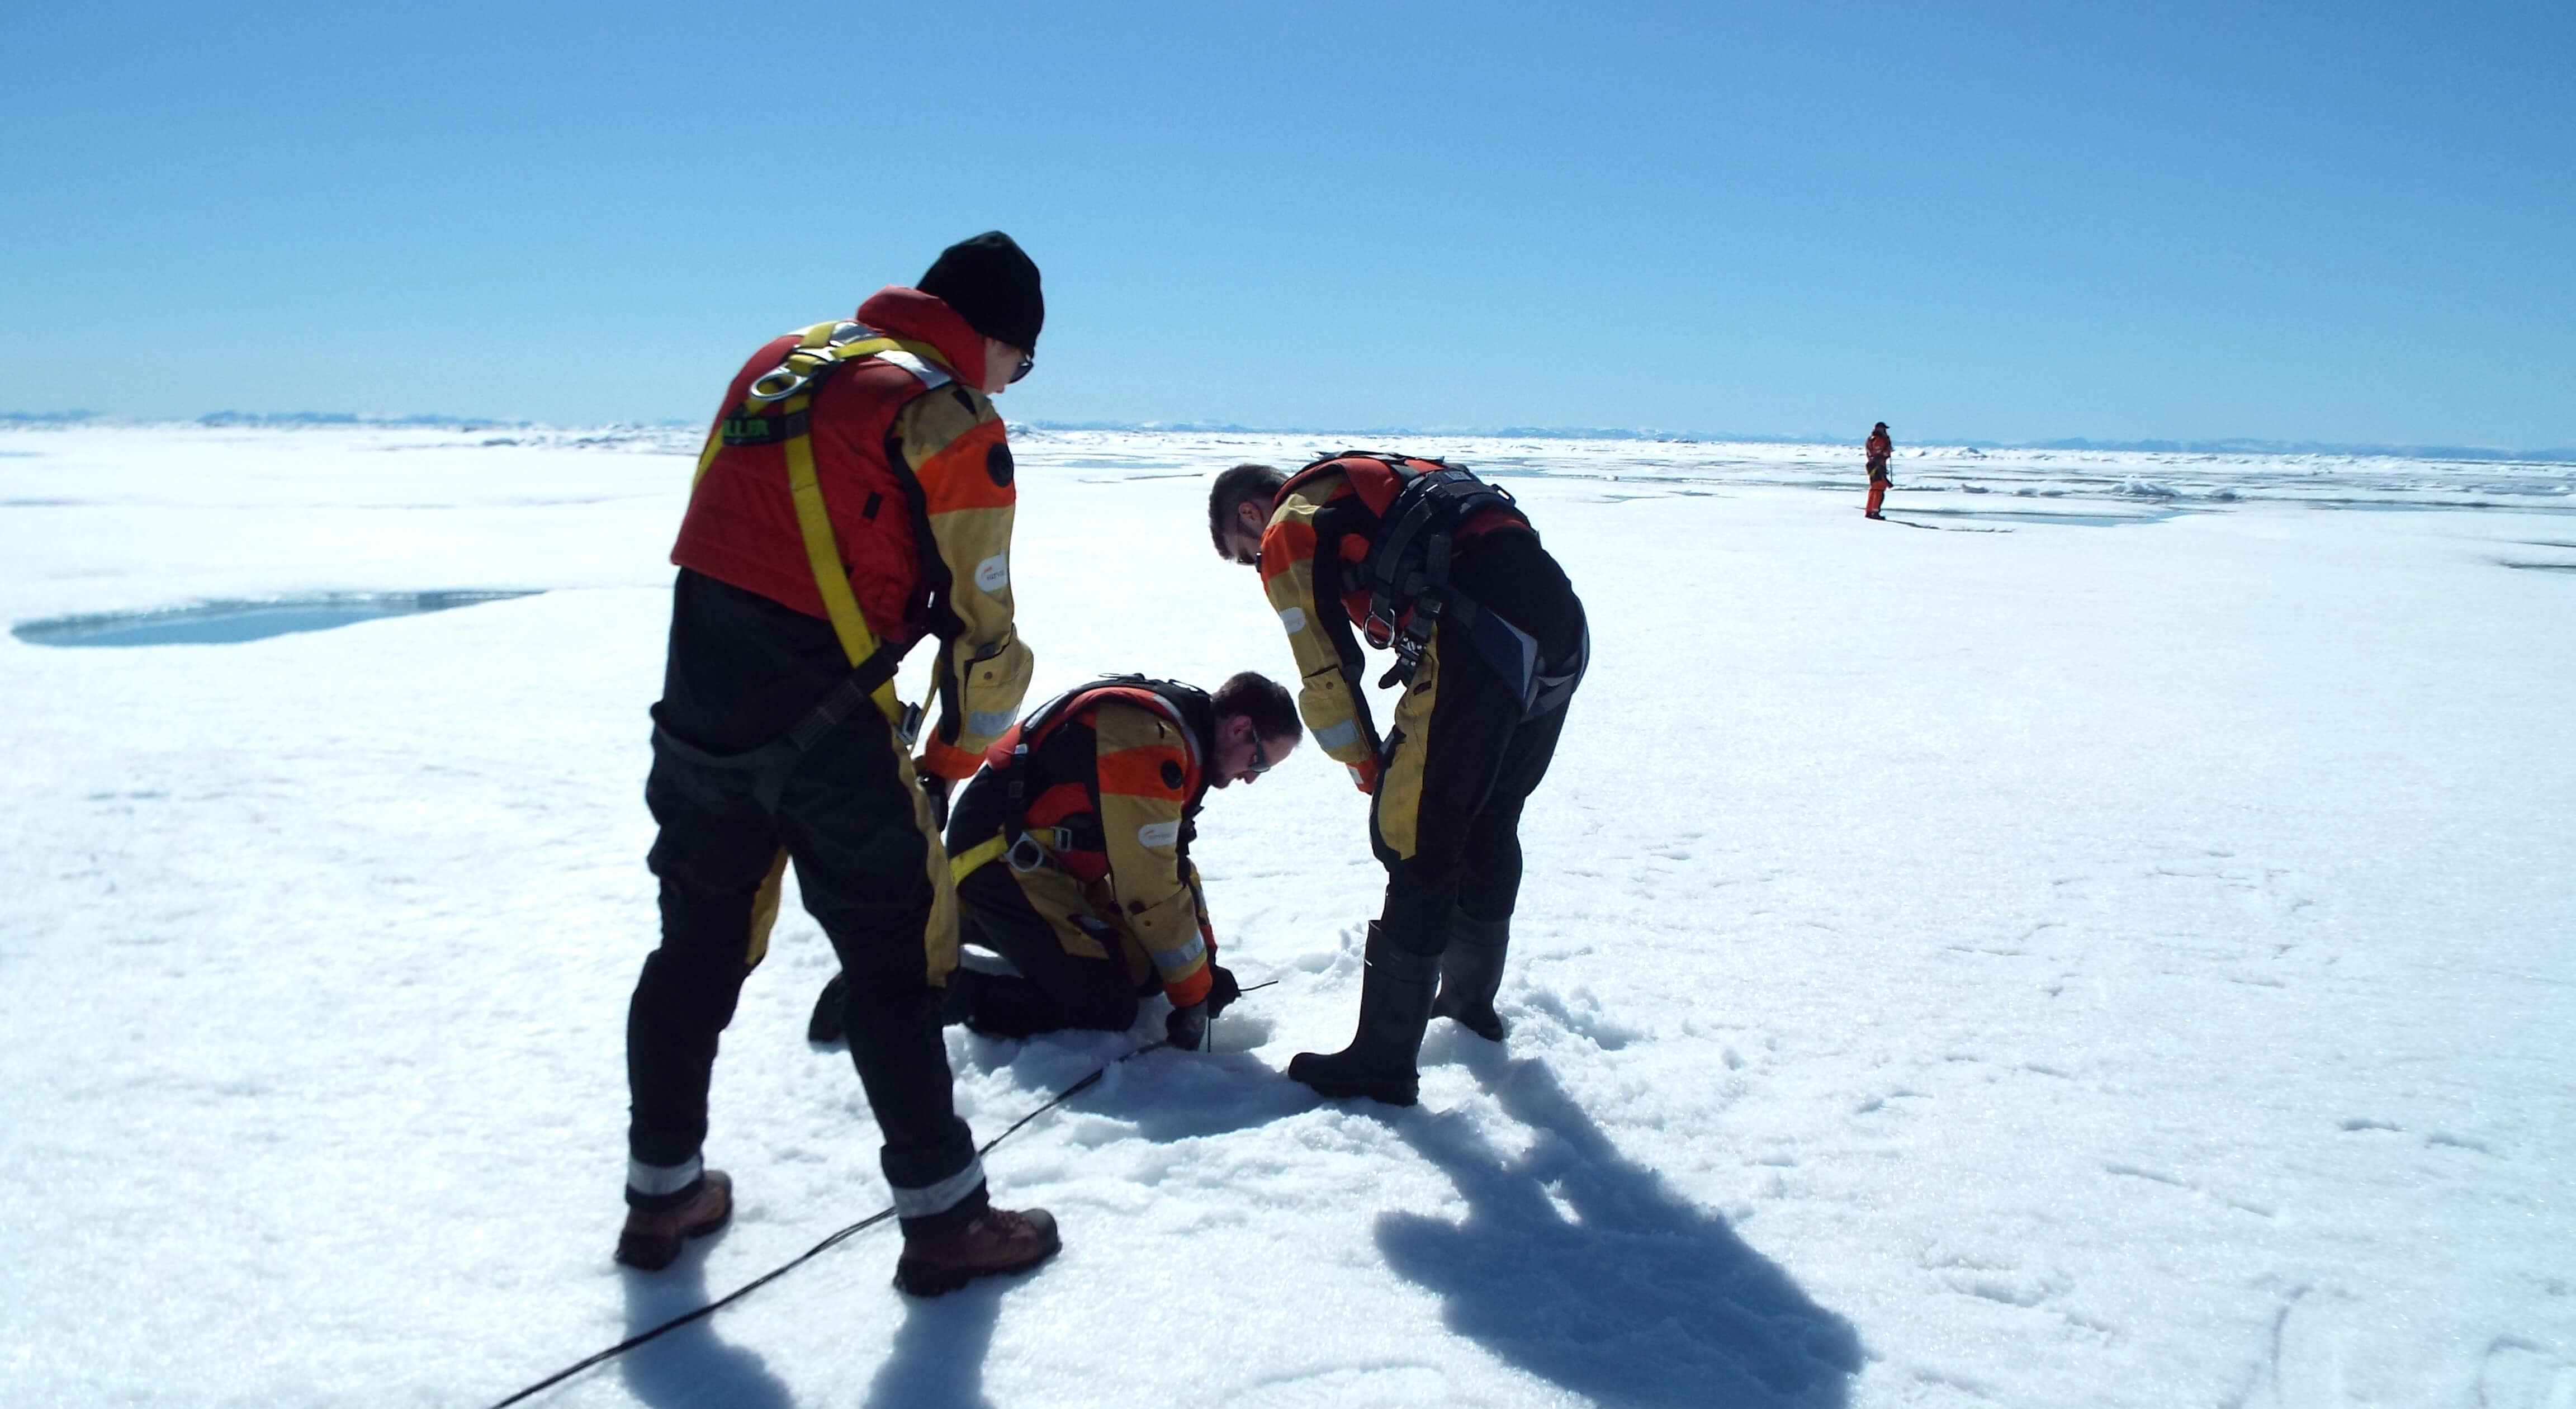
2345 222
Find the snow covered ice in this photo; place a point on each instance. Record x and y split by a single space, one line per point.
2119 958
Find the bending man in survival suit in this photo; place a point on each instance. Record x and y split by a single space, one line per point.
1445 571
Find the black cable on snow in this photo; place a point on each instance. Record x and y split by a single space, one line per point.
864 1224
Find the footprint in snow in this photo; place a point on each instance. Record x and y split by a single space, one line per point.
2518 1374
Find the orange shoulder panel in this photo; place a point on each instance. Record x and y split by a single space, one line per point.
1284 545
971 472
1140 772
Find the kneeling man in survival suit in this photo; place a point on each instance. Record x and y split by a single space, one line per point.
854 497
1443 569
1072 852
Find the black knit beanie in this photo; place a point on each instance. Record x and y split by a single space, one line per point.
993 285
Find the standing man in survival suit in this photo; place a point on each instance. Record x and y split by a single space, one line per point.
1073 862
1442 568
855 496
1876 453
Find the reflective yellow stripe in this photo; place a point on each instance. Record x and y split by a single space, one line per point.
707 456
959 868
822 552
1398 809
764 911
831 579
939 937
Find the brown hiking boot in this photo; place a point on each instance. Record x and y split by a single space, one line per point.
995 1241
652 1240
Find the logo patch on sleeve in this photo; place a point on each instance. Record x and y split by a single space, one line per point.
1159 834
991 573
1294 618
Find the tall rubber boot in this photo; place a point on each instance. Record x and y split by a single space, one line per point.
1395 1005
1471 972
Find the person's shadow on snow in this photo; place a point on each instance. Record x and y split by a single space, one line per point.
1629 1296
690 1366
938 1356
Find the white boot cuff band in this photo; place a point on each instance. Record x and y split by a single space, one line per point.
942 1196
657 1179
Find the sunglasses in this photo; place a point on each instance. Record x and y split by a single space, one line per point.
1026 363
1260 760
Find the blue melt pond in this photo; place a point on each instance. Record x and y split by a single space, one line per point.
223 623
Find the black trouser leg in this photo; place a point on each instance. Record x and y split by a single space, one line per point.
1414 916
1489 881
862 858
1054 989
1481 761
902 1060
715 848
1455 756
1452 897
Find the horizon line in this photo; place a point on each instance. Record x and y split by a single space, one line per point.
2217 445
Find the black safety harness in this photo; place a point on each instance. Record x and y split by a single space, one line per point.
772 763
1406 575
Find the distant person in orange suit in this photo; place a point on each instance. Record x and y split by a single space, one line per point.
1878 449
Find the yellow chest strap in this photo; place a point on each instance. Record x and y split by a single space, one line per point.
774 412
973 859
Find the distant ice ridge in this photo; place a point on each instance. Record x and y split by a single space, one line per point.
2195 478
2182 478
377 432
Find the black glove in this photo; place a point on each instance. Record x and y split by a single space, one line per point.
936 788
1222 990
1187 1028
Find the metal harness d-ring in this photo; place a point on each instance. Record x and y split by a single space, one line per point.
761 385
842 335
